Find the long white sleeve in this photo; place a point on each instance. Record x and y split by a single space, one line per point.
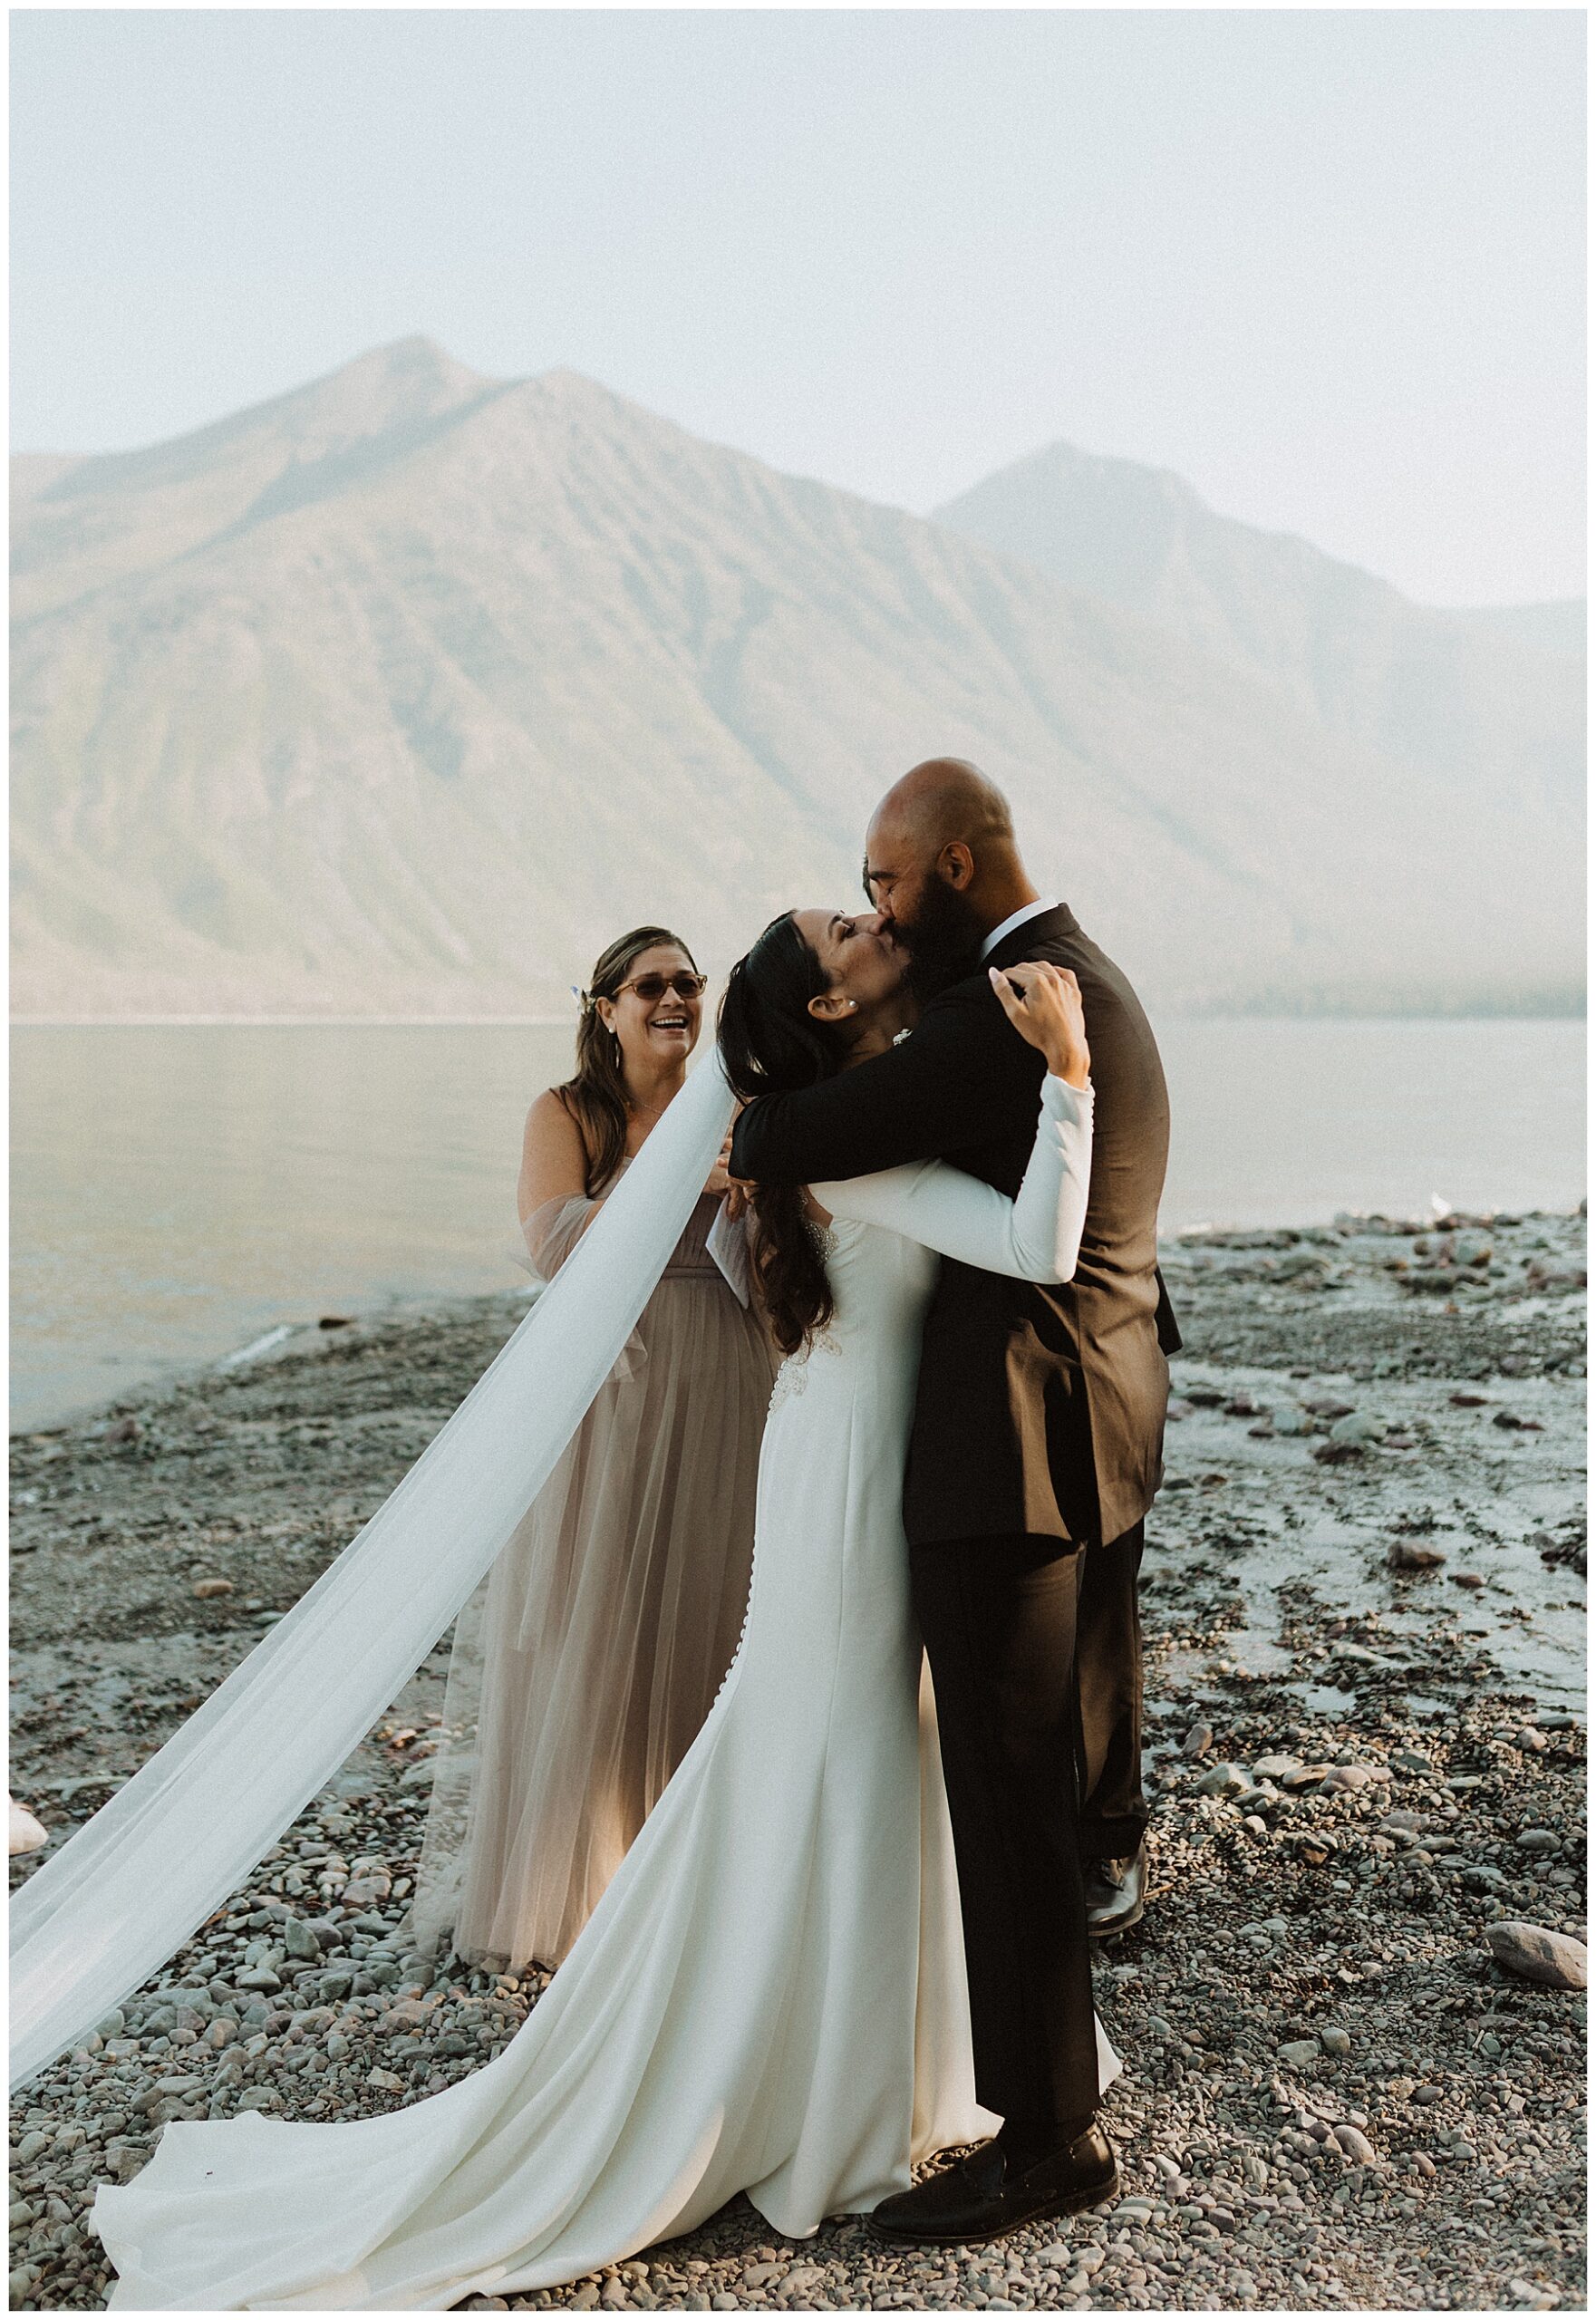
1034 1237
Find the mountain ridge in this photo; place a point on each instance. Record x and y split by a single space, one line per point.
315 713
1413 681
1177 490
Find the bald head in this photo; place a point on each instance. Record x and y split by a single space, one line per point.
945 800
940 857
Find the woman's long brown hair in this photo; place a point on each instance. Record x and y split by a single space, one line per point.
596 1097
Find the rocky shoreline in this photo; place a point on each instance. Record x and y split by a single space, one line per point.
1364 1596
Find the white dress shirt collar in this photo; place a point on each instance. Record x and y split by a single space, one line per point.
1017 918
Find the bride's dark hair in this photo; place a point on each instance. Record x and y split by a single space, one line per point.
770 1044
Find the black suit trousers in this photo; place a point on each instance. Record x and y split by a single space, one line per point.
1033 1653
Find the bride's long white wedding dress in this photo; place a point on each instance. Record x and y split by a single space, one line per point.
769 1998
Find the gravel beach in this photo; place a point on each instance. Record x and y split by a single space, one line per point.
1353 2068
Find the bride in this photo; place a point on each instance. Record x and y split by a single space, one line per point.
769 1998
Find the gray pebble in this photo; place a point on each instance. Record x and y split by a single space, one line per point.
1359 1429
1354 1776
1536 1954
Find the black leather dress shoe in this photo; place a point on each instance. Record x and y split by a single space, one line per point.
980 2198
1116 1895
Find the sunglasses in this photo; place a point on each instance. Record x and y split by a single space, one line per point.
650 988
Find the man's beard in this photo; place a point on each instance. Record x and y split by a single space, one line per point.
942 943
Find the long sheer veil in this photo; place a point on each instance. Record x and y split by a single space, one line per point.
137 1880
587 1642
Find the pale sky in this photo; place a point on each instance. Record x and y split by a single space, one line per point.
1327 266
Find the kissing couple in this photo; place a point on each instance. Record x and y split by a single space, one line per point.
855 1930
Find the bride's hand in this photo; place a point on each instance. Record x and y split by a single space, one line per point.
719 1183
1043 1003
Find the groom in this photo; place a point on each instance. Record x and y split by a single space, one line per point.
1035 1453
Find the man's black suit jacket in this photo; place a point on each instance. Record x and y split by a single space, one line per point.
1038 1409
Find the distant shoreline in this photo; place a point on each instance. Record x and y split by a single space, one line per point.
1572 1011
182 1373
293 1339
290 1022
241 1193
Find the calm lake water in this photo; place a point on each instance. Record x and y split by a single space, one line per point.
177 1192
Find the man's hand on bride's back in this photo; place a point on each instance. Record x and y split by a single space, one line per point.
1043 1003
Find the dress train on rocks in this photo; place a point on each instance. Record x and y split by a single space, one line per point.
769 1998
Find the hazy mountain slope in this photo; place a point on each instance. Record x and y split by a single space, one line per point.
403 692
80 524
1468 695
1557 627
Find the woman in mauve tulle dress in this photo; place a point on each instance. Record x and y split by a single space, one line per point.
584 1668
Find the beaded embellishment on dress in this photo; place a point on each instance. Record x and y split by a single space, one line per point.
791 1378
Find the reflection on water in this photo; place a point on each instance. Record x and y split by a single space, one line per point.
1535 1634
1288 1123
179 1191
1251 1651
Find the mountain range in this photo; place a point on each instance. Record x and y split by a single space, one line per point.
401 693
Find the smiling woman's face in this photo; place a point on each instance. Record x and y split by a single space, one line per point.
655 1031
861 961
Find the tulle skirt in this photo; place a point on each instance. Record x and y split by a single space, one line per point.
585 1664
